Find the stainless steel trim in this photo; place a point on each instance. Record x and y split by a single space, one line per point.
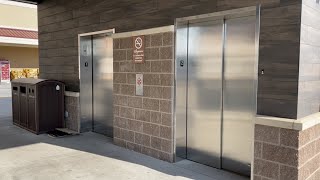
85 76
222 85
247 11
257 45
181 89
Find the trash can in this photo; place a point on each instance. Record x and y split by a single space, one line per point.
38 104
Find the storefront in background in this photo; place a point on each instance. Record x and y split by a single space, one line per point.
17 73
8 73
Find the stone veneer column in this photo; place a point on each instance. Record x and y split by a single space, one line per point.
145 123
284 154
72 106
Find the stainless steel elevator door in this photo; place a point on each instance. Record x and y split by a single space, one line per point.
86 83
239 97
181 89
204 92
102 85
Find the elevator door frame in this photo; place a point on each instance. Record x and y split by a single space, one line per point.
84 93
181 52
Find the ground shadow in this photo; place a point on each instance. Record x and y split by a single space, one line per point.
12 136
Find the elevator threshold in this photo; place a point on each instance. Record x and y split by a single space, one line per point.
213 173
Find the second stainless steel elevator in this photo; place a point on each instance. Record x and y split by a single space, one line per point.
96 83
216 73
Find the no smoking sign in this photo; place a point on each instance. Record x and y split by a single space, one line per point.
138 43
138 49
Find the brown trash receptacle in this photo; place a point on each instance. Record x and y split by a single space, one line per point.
38 104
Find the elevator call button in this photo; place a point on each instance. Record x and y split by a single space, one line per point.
182 63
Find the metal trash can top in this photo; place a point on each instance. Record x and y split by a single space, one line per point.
30 81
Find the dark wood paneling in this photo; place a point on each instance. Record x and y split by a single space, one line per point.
277 107
279 58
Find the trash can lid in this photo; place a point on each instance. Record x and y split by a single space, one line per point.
29 80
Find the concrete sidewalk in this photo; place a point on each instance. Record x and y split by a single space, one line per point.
5 89
88 156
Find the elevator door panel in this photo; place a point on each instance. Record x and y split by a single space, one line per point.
181 89
102 85
204 92
86 83
239 97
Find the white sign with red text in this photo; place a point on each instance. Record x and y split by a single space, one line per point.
139 84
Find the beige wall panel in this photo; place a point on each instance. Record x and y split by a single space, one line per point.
21 17
20 57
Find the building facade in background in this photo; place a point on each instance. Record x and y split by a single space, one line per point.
18 40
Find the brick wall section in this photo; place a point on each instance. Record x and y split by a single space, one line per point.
72 106
144 123
275 153
283 154
309 153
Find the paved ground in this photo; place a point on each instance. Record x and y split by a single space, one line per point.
88 156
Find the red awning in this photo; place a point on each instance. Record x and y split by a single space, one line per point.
18 33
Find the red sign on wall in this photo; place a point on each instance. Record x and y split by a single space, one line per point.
5 70
138 49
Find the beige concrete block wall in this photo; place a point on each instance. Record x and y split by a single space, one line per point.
286 154
145 123
20 57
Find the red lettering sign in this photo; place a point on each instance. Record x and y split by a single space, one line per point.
5 70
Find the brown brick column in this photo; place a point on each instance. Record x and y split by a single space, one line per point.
286 154
145 123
